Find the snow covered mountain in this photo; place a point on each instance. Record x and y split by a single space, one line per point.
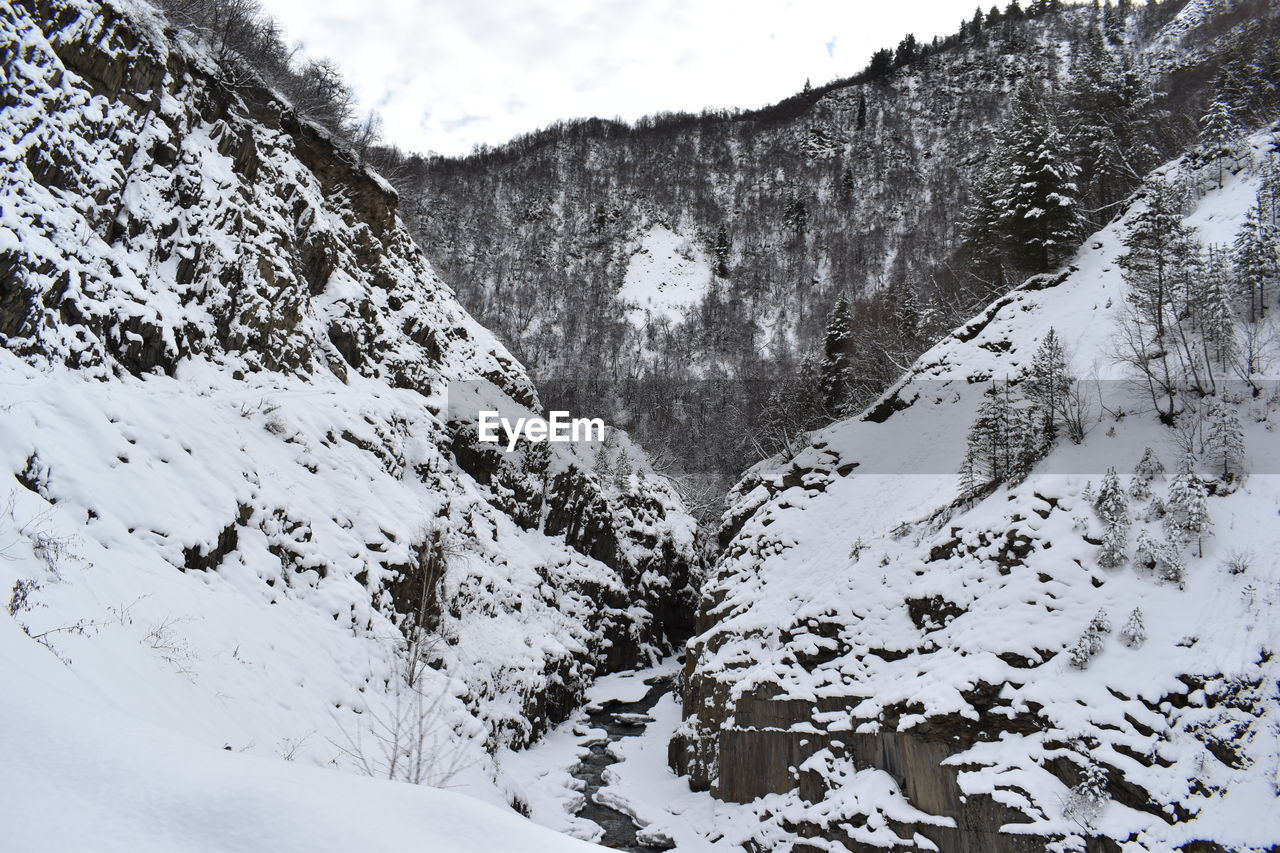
892 657
247 510
852 188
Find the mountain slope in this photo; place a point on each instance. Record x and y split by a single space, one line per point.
248 503
855 188
871 634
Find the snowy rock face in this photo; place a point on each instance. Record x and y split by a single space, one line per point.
225 366
888 658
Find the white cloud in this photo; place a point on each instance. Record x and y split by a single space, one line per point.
448 74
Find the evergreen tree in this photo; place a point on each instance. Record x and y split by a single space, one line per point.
1048 382
1224 441
1134 633
1186 508
1037 203
622 472
1215 312
1257 259
1111 113
1113 508
602 468
1220 139
721 250
1111 504
981 232
838 358
1159 248
1149 468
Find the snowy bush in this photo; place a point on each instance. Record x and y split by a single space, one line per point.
1090 643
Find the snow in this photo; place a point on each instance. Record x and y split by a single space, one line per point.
79 774
667 275
801 612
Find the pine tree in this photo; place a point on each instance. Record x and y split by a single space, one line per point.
622 472
721 250
1187 512
1148 469
1113 508
1134 633
1257 259
602 468
1111 505
1048 382
1220 139
981 233
1089 796
1224 441
1037 205
838 358
1158 247
1110 110
1215 312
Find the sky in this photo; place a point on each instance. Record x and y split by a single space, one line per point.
446 75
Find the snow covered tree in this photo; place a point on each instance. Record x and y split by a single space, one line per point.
1109 111
837 358
1159 246
1002 441
1257 259
1089 796
1113 508
1037 210
1111 505
603 469
1048 382
1215 314
981 232
1224 440
1163 557
1090 643
1186 508
1149 468
622 472
1220 139
1134 633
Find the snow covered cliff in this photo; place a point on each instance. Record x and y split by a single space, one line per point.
242 509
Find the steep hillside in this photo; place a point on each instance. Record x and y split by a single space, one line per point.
766 218
894 654
247 506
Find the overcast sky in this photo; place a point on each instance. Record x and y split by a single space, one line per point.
448 74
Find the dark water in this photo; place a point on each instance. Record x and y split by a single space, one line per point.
619 719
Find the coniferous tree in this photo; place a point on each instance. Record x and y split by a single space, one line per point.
838 358
1220 139
1186 508
622 472
603 469
721 250
1215 313
1134 633
1224 440
981 232
1048 382
1148 470
1037 210
1257 259
1113 508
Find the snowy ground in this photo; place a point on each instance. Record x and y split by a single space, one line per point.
667 275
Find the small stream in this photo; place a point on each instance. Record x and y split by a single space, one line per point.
619 720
